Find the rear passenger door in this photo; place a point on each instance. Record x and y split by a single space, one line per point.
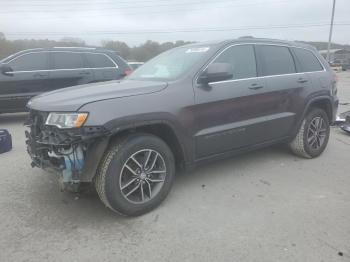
310 66
103 67
284 86
69 69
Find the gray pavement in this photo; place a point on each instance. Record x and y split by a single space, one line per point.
263 206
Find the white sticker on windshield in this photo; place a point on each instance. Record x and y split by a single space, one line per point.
197 50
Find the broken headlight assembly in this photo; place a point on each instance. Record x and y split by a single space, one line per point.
60 142
66 120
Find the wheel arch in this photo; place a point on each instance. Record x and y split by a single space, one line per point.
322 102
162 129
161 124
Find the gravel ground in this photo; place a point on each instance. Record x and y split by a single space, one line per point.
263 206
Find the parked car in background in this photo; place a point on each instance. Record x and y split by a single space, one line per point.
345 67
340 58
32 72
187 106
336 67
135 65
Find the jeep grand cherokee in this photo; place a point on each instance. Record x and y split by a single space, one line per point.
182 108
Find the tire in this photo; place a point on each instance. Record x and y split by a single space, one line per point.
112 186
305 144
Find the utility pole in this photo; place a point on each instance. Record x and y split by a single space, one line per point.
330 33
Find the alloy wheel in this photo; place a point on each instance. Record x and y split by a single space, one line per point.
316 133
142 176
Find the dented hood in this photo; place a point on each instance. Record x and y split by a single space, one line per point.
72 98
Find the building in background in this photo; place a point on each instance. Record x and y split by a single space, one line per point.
339 57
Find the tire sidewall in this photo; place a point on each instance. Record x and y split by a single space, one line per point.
112 185
315 113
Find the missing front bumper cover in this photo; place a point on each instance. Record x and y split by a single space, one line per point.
65 152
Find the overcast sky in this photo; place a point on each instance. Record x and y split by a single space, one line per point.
168 20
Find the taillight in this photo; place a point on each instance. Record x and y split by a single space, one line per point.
127 71
335 77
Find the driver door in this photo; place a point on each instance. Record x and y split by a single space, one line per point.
29 77
229 114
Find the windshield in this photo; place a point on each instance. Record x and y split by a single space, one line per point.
170 65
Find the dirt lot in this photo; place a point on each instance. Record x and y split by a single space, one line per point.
263 206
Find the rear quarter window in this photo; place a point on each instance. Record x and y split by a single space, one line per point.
276 60
99 61
308 61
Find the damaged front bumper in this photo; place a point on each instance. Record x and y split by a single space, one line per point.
343 121
73 154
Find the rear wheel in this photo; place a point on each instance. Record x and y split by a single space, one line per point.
136 174
313 135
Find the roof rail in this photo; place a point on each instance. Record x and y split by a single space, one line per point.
246 37
78 47
31 49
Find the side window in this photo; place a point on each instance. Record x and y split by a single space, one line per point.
308 60
67 60
276 60
242 58
30 62
99 61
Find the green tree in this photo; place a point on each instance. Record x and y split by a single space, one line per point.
118 46
73 41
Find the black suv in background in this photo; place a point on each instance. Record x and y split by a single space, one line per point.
34 71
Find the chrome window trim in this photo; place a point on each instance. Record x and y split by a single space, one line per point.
19 52
261 77
258 77
33 52
58 51
53 70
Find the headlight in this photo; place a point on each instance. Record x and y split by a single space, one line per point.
66 120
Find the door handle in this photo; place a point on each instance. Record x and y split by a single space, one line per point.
255 86
302 80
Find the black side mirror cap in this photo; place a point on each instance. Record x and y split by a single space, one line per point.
216 72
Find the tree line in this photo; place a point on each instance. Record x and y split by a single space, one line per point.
142 52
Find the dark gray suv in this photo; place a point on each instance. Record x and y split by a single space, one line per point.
184 107
35 71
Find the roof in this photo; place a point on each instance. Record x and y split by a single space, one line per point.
63 48
255 40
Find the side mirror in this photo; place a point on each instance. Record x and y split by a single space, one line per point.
6 70
216 72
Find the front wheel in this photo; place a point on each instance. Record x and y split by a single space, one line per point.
136 174
313 135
